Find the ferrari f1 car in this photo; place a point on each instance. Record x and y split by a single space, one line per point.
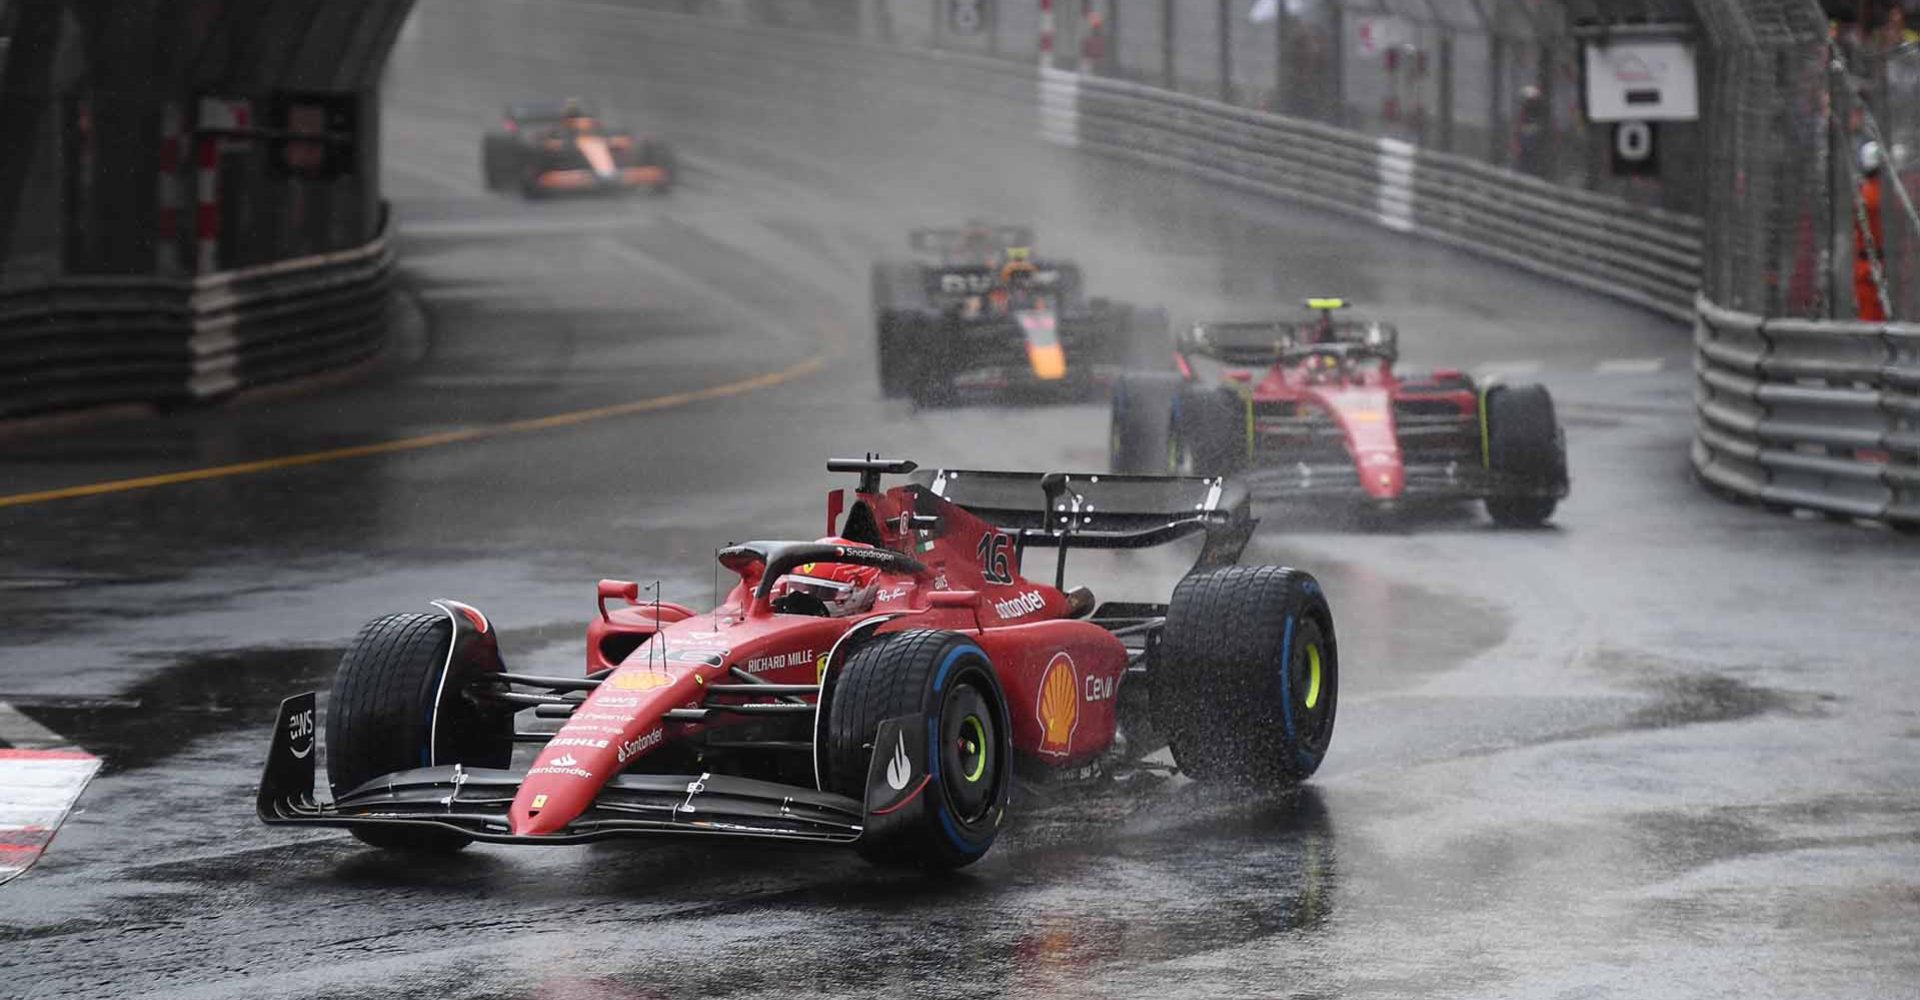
879 688
1315 407
562 146
979 314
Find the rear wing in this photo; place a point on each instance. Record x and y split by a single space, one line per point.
949 239
1240 343
953 282
1264 343
1102 510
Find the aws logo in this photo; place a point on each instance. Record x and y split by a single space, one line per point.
1058 706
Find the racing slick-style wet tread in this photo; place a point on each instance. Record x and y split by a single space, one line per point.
1524 440
1212 427
1140 422
1221 689
893 676
379 714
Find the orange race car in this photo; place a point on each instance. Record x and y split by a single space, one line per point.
560 146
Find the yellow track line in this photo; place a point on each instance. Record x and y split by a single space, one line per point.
812 364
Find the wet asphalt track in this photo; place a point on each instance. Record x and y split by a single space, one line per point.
1668 748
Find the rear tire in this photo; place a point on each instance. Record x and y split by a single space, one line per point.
1141 422
1247 675
946 679
1209 433
381 717
1525 446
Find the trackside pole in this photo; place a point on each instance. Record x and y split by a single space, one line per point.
166 248
1046 33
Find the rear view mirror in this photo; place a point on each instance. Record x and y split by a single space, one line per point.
625 590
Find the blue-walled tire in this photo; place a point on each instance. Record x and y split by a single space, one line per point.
949 814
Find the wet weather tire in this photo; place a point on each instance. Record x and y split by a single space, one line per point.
1209 433
1525 447
496 161
1247 675
1141 422
945 680
895 357
381 717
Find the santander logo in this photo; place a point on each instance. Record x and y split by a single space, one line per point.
1024 603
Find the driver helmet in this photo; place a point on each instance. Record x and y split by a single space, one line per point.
842 589
1019 264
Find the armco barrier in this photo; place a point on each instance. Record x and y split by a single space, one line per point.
92 341
1642 255
1821 416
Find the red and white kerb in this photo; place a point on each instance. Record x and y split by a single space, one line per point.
37 787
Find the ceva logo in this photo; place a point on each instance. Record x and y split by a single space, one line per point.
1020 604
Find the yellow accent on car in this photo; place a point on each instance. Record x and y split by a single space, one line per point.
1326 303
1313 676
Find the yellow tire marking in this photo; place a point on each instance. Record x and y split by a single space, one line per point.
722 391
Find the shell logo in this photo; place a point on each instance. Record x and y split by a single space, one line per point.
639 680
1059 705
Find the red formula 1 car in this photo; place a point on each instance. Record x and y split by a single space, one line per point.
880 688
1314 407
561 146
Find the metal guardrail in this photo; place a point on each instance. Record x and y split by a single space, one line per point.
288 318
1814 415
1643 255
76 342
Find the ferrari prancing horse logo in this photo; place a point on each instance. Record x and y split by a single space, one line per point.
1058 706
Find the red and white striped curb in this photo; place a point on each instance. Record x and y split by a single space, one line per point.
39 782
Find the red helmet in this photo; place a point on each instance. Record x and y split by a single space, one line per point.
834 590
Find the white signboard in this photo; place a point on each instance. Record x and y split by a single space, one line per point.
1642 80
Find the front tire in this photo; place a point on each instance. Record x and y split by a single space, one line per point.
1527 450
496 160
946 680
389 706
1247 675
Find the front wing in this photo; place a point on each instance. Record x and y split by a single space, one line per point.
1436 481
475 801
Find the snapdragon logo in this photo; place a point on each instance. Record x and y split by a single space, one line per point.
1020 604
